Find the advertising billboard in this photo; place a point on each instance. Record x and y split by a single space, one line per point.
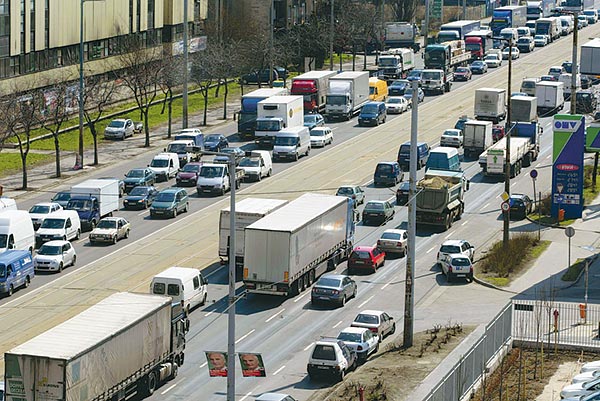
217 363
567 165
252 365
592 138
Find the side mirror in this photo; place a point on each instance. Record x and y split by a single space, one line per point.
391 318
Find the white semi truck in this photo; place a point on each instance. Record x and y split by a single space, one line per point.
277 113
347 93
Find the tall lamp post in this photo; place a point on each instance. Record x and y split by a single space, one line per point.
331 26
184 119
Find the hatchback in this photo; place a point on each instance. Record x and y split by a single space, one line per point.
520 205
396 104
455 266
478 67
361 340
54 256
379 322
140 197
393 241
188 175
463 74
138 176
333 288
331 358
352 191
376 210
455 246
313 120
402 193
169 202
365 257
215 142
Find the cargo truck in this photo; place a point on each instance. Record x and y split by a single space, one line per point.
275 114
550 26
523 108
249 105
446 56
508 17
550 97
396 63
490 104
347 94
479 43
124 346
247 212
456 30
93 200
478 136
312 86
287 250
401 34
440 197
590 58
540 9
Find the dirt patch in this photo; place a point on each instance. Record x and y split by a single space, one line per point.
380 375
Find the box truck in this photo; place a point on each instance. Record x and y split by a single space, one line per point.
477 137
347 93
93 200
550 97
275 114
287 250
396 63
124 345
456 30
246 117
523 108
590 58
312 86
490 104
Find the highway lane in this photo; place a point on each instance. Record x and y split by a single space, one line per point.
129 268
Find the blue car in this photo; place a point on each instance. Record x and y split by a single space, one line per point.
398 87
420 95
139 176
215 142
478 67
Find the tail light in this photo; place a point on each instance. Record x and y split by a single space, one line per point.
399 244
374 330
471 269
449 268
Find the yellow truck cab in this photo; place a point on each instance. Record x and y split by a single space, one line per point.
378 89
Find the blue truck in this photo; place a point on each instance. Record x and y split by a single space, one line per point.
246 117
457 30
508 17
93 200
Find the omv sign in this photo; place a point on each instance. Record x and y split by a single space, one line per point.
567 125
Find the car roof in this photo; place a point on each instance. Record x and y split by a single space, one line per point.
394 230
272 397
364 248
111 218
56 242
376 201
339 276
517 196
173 190
457 256
371 312
46 204
354 330
388 163
453 242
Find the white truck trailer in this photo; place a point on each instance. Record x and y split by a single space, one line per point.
396 63
495 157
93 200
550 97
490 104
523 108
477 137
288 249
276 113
124 345
247 212
347 93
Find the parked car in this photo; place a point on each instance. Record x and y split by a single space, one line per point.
520 205
119 128
478 67
313 120
393 241
507 52
586 376
110 229
595 396
215 142
396 104
365 257
540 40
360 340
454 246
40 211
377 210
54 256
492 60
238 154
402 193
330 357
590 366
62 198
455 266
397 87
352 191
169 202
140 197
526 44
333 288
138 177
452 137
320 136
580 389
408 94
463 74
379 322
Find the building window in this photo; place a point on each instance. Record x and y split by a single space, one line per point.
32 26
4 29
138 16
131 16
151 7
47 24
22 27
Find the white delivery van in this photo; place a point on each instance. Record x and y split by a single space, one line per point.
165 165
7 204
181 284
16 231
292 142
179 147
61 225
257 165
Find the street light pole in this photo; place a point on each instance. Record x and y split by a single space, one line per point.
184 120
574 68
231 297
331 37
506 228
80 149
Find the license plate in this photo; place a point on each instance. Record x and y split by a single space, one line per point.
324 298
323 367
206 190
359 262
460 275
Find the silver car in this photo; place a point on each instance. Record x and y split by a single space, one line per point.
333 288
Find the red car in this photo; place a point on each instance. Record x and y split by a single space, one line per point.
463 74
365 257
497 133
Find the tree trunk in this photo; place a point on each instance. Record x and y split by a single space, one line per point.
205 92
94 133
146 128
57 155
225 100
340 54
24 154
365 59
170 112
353 57
595 172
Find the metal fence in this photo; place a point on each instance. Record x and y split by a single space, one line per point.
562 324
467 371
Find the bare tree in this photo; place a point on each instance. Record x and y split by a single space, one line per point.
141 73
97 95
404 10
171 77
226 65
55 113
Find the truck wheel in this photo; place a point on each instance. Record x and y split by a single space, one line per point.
78 234
448 223
174 371
150 383
311 277
60 267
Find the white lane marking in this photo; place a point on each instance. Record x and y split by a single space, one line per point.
367 300
79 241
448 236
549 156
366 184
209 313
144 212
169 389
308 346
337 324
464 223
486 205
274 316
384 287
430 249
513 184
301 296
245 335
278 370
203 365
246 396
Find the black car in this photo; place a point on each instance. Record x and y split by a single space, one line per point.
520 205
138 176
398 87
238 153
215 142
140 197
377 211
402 193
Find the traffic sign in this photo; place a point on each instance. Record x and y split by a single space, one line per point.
505 206
569 232
533 174
505 196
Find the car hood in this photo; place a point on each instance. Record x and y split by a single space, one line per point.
103 231
251 169
162 205
50 231
135 198
574 389
133 180
114 129
159 169
284 149
36 216
186 175
48 258
209 181
211 143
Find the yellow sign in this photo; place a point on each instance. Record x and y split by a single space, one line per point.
505 196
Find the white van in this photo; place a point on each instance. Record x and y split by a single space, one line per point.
291 143
257 165
64 225
182 284
16 231
179 147
7 204
443 158
510 34
165 165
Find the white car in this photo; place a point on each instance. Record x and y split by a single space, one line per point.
321 136
110 229
361 340
54 256
456 265
120 128
586 377
590 397
540 40
377 321
452 137
275 397
393 241
492 60
396 104
40 211
330 357
579 389
515 53
455 246
590 366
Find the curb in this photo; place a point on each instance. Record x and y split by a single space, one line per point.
492 286
591 260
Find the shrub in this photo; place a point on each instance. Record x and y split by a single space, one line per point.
502 261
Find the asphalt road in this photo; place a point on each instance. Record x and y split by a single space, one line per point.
284 329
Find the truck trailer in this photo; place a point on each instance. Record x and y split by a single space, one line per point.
249 105
126 344
275 114
401 34
508 17
457 30
550 97
287 250
540 9
440 197
93 200
523 108
490 104
347 94
478 137
312 86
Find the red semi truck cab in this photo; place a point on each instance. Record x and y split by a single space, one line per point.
474 44
309 90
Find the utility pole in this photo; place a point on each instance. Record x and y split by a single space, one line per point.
184 119
506 230
272 15
409 287
231 296
574 68
331 22
81 105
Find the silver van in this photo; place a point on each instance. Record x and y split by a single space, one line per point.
291 143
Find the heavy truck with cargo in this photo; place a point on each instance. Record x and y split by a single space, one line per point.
456 30
277 113
523 108
490 104
396 63
312 86
124 346
401 34
479 43
247 212
287 250
246 117
93 200
347 94
508 17
440 198
477 137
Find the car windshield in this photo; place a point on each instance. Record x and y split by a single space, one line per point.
394 100
450 249
414 74
177 147
360 255
211 138
139 191
116 124
250 162
528 84
555 71
53 223
450 133
478 63
2 267
491 57
408 92
399 83
324 352
369 109
211 172
384 169
462 69
374 206
40 209
310 119
62 196
350 337
191 168
80 204
368 319
392 236
329 282
135 173
50 250
461 262
165 197
317 132
286 140
107 224
539 37
346 191
159 163
228 150
428 75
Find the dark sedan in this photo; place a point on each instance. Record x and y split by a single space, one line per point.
333 288
139 176
520 205
62 198
478 67
140 197
378 211
238 153
398 86
188 175
402 193
215 142
313 120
